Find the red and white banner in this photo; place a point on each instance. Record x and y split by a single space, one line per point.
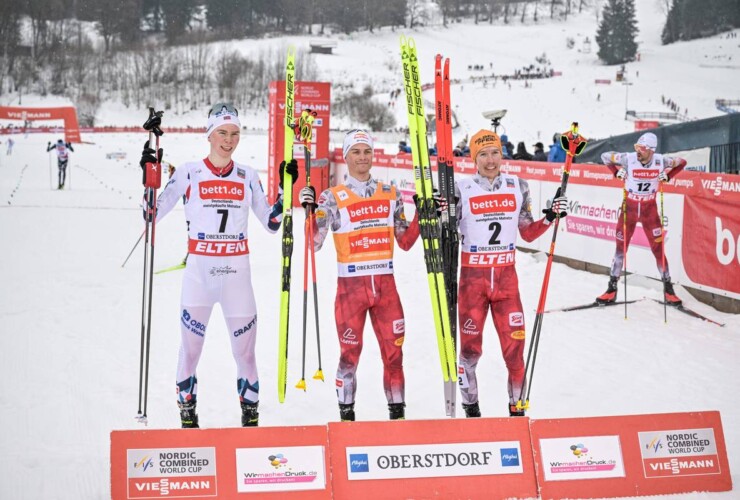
711 243
701 225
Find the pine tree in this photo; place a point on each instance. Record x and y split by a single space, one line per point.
617 32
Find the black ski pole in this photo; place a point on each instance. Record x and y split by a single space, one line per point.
152 178
133 248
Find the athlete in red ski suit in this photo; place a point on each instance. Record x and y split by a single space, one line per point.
492 208
366 216
642 172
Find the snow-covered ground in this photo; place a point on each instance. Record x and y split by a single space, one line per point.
71 329
71 315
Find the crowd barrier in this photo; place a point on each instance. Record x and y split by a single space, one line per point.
485 458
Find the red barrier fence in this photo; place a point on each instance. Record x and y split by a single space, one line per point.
456 458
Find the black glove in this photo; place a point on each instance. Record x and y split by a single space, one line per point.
291 168
558 207
147 156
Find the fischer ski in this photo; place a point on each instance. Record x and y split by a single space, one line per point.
287 250
690 312
425 206
448 216
593 305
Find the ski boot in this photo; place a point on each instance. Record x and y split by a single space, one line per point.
347 412
250 416
188 417
396 411
514 411
611 292
670 296
472 410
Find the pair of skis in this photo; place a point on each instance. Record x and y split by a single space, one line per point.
304 130
596 305
428 220
448 216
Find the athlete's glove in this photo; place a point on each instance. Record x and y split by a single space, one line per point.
663 176
621 173
148 156
308 197
558 207
291 168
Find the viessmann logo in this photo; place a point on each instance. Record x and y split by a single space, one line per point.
373 242
221 190
492 203
366 210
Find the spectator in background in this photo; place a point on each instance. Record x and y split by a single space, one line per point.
508 147
403 147
522 153
10 146
539 152
556 153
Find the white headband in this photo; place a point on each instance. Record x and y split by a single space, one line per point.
223 117
356 137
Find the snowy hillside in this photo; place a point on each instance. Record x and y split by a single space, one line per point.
69 344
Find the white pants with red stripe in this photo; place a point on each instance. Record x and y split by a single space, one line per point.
227 281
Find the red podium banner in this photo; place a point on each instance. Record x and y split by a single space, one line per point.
632 455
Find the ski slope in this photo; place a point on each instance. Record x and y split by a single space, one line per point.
69 350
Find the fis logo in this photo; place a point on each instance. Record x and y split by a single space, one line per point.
144 464
399 326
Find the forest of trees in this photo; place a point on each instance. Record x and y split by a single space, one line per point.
690 19
144 51
137 51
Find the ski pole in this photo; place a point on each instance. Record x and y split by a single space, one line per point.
152 181
662 251
305 131
51 174
573 144
134 247
624 244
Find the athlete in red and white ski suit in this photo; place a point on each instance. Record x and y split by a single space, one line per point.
492 208
217 205
366 217
642 172
641 185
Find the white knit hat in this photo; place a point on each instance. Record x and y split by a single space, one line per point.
222 117
649 140
356 137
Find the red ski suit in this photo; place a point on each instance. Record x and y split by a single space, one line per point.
641 187
366 218
490 216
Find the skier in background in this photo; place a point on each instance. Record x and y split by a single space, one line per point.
62 149
492 206
641 172
219 194
366 216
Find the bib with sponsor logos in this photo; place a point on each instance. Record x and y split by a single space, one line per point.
364 241
217 209
642 180
489 222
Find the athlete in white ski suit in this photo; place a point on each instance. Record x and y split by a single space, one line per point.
219 194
